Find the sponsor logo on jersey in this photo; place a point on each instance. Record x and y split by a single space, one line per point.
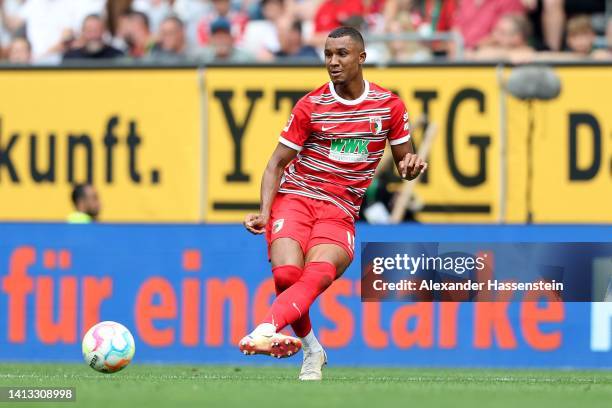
349 150
375 124
278 225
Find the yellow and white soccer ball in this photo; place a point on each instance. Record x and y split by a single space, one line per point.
108 347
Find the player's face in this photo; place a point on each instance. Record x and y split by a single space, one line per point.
92 202
343 59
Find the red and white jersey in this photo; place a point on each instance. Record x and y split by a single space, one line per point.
340 143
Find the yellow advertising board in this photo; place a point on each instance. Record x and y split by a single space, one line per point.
572 152
247 108
136 134
160 147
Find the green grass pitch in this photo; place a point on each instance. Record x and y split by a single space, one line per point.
264 386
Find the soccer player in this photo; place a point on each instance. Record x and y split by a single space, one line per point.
312 189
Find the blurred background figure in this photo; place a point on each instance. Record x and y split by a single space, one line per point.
221 9
171 45
191 13
222 46
262 36
19 51
92 44
137 35
11 24
580 36
476 19
292 44
332 14
405 18
509 41
49 26
549 19
156 11
86 203
117 13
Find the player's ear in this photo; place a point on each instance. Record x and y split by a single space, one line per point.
362 57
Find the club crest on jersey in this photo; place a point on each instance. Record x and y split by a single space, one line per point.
278 225
375 124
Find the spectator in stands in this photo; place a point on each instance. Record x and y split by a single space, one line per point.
10 22
332 14
86 203
137 34
222 47
429 16
49 26
156 11
580 35
509 41
549 18
19 51
222 9
171 45
190 12
475 19
292 44
403 21
92 42
261 37
117 12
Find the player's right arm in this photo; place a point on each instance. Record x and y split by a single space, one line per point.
290 143
270 182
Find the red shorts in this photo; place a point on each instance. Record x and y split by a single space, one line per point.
310 222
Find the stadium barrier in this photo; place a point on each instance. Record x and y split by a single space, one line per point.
188 296
189 145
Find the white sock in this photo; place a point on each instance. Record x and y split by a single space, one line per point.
266 329
310 343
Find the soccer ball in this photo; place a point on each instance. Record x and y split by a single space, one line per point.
108 347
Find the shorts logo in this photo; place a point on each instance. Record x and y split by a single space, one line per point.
349 150
375 124
278 225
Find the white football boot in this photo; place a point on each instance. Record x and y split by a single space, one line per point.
274 345
312 365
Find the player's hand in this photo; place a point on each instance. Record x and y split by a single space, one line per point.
255 223
411 166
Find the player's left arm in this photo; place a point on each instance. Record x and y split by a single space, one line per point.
408 163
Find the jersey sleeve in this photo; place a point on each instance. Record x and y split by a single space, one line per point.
400 125
297 129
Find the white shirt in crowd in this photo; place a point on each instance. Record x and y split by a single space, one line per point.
47 20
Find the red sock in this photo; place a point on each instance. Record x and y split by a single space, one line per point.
295 301
284 277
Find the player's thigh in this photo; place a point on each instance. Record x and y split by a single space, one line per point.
332 253
288 230
286 251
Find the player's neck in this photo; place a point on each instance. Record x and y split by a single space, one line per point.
351 90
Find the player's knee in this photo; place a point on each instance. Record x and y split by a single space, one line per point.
319 275
285 276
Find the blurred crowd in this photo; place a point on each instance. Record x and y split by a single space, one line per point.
174 31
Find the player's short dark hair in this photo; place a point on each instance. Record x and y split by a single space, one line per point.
78 192
348 32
